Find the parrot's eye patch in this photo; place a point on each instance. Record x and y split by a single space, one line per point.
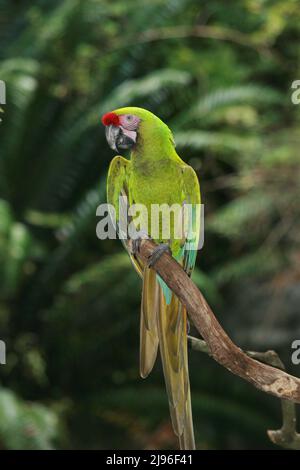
110 119
129 121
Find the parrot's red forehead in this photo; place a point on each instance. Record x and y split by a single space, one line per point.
110 119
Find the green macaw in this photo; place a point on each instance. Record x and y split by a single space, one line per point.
155 174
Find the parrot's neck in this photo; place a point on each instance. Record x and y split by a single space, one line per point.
153 147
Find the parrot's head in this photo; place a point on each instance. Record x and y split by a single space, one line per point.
126 128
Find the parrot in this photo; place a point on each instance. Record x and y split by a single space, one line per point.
155 174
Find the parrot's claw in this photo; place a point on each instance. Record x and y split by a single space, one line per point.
135 246
136 242
157 253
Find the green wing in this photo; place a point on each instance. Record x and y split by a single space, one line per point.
117 195
117 189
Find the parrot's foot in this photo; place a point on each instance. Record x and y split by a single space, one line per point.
135 246
157 253
136 242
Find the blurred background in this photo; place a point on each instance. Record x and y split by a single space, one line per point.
220 74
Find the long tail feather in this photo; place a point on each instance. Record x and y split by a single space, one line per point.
165 323
172 332
148 322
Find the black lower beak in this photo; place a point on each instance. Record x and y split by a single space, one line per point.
117 140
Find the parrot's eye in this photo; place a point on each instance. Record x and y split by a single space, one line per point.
129 117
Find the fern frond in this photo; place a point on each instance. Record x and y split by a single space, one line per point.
258 263
215 100
231 220
197 140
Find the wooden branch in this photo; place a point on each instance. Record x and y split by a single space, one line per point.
198 31
263 376
205 32
287 436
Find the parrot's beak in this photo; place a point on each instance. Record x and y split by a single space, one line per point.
119 138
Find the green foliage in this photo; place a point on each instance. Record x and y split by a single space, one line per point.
69 304
25 425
